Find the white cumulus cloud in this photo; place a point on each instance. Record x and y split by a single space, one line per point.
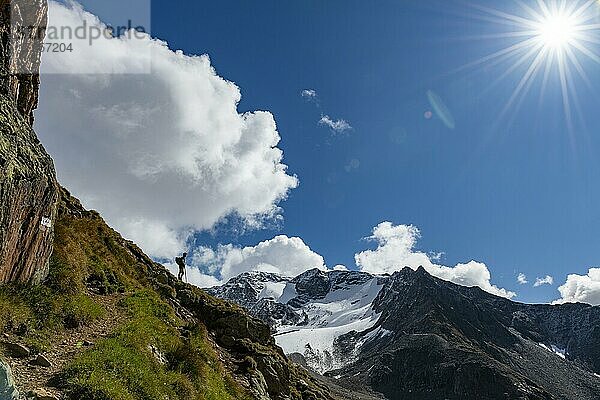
522 279
581 288
547 280
160 155
396 250
287 256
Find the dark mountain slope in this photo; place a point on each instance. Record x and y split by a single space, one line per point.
426 338
448 341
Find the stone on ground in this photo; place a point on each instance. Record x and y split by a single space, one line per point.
42 394
16 350
41 361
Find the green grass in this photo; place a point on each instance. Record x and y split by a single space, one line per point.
90 257
124 366
37 314
197 359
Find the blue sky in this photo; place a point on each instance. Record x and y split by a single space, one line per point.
517 190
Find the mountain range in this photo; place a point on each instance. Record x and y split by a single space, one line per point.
86 315
413 336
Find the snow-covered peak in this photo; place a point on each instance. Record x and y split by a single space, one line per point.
311 311
250 287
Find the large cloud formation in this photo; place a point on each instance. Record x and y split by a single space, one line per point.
287 256
581 288
396 250
160 155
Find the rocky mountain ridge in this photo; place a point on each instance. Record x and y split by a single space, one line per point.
308 312
420 337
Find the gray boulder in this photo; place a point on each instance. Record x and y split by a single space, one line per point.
8 391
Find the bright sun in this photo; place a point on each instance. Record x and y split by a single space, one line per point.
550 38
557 31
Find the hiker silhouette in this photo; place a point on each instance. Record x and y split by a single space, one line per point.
181 263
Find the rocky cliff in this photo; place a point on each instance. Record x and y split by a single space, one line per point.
20 52
28 187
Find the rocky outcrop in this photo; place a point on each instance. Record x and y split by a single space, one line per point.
28 187
20 52
7 384
251 291
28 200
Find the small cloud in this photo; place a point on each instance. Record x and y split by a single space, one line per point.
436 255
547 280
522 279
352 165
338 126
309 94
340 268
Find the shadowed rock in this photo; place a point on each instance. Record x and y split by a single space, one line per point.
7 384
28 187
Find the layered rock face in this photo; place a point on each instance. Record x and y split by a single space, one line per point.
28 187
20 51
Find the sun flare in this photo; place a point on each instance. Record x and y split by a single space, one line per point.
552 39
558 31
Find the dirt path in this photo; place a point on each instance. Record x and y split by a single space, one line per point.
64 347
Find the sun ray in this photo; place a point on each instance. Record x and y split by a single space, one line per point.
582 48
584 28
506 51
550 35
546 79
590 41
562 67
544 7
532 12
580 12
578 67
531 53
531 72
501 35
503 15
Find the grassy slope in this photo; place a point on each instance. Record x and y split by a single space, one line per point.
175 341
89 258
